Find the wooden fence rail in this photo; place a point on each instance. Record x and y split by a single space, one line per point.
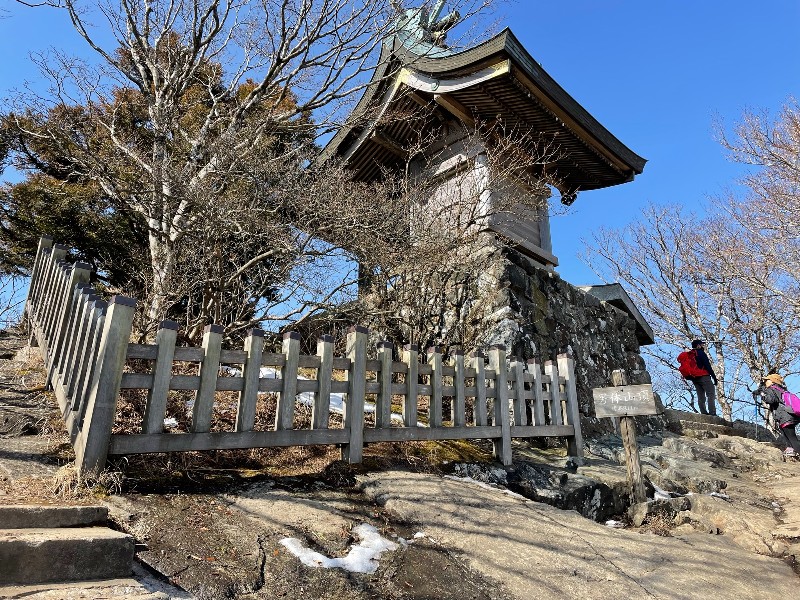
84 343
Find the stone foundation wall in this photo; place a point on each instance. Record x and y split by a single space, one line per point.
535 313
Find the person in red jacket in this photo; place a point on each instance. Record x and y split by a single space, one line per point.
704 384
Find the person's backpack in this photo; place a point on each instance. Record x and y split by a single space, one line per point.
791 401
688 365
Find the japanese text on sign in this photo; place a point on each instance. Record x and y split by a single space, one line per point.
625 400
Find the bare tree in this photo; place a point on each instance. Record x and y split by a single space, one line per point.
677 269
766 218
12 290
162 127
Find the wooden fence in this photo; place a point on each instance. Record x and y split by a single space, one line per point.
84 343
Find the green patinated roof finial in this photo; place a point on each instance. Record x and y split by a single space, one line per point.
422 31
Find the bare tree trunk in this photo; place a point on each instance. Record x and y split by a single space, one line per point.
162 261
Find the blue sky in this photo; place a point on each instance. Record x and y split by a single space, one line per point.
656 74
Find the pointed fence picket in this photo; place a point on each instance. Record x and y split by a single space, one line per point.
85 345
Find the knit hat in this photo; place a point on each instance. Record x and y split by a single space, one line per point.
696 343
774 378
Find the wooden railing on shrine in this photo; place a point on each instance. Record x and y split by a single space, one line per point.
85 346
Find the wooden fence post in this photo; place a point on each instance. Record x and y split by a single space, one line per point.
320 413
156 406
566 365
353 451
251 371
284 417
91 445
435 404
79 274
49 295
627 428
520 414
502 445
458 411
45 241
383 406
35 302
58 283
479 364
73 327
411 358
209 372
535 369
556 415
87 335
89 365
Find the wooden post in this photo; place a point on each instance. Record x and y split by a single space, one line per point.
411 358
45 241
458 411
535 369
35 307
251 371
502 445
320 413
566 365
383 406
88 333
156 406
551 370
79 274
479 364
209 372
353 416
51 297
89 367
435 405
284 417
59 282
627 428
73 329
520 414
91 445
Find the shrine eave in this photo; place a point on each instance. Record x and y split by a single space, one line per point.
497 77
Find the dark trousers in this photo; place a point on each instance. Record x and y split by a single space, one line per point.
791 437
705 391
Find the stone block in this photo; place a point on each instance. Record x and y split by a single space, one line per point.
32 556
639 513
33 516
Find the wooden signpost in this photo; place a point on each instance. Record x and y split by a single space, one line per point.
626 401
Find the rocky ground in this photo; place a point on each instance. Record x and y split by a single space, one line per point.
726 524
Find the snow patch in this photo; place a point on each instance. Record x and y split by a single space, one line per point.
362 558
660 494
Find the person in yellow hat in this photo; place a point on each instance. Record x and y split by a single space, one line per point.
784 417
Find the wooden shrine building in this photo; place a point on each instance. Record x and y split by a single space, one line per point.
495 81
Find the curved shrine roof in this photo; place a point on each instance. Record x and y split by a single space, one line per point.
495 80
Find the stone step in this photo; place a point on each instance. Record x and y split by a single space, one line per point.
693 427
29 556
684 415
25 516
83 590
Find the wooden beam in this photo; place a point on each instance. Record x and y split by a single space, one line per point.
389 143
455 108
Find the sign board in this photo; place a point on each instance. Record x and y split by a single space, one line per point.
624 401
